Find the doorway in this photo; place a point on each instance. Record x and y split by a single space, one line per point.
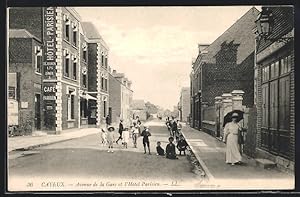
37 116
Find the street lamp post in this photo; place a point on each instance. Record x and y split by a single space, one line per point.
265 24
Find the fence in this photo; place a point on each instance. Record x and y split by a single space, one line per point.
209 120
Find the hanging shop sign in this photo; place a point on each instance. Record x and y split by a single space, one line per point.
50 44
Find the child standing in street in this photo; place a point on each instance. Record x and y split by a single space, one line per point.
146 133
181 145
170 149
110 139
125 137
103 136
135 134
160 151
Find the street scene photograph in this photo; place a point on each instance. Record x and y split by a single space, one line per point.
150 98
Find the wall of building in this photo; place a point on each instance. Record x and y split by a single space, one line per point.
114 98
185 103
228 78
21 61
92 67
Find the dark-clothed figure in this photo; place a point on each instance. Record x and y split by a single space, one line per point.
121 128
160 150
170 149
174 128
108 120
146 142
182 145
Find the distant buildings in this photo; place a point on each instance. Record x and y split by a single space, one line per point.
184 104
139 109
120 99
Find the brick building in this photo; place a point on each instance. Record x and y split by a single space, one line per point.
121 97
184 104
225 65
53 54
25 62
275 88
98 74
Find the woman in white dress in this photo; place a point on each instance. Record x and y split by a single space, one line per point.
231 131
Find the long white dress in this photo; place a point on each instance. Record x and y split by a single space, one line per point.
125 136
233 154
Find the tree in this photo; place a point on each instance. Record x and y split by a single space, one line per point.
151 108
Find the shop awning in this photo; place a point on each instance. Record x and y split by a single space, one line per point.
88 97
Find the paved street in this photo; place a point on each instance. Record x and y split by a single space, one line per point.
86 159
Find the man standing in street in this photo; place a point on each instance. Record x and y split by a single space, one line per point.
121 128
108 120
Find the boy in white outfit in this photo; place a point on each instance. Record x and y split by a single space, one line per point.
125 137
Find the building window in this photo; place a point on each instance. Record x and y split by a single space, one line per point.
74 70
105 62
71 104
67 30
84 80
84 55
102 59
275 105
104 108
66 66
74 38
102 83
105 84
11 92
83 108
38 59
265 74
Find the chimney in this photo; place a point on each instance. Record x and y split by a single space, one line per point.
202 48
114 71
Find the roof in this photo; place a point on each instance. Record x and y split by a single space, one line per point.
138 104
21 33
92 33
185 89
90 30
240 33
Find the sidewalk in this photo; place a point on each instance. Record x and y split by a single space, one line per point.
27 142
211 154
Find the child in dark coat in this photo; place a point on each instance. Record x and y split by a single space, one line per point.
146 134
170 149
160 150
181 145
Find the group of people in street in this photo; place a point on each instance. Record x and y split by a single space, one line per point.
135 130
174 128
108 136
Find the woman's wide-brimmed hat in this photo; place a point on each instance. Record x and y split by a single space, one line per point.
235 115
111 128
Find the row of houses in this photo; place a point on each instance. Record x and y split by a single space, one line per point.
250 67
59 75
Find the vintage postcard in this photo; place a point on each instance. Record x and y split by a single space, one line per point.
150 98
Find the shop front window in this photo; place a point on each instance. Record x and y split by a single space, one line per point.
275 106
71 105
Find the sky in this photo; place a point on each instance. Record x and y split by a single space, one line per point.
154 46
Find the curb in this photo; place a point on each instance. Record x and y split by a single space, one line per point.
203 165
45 144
